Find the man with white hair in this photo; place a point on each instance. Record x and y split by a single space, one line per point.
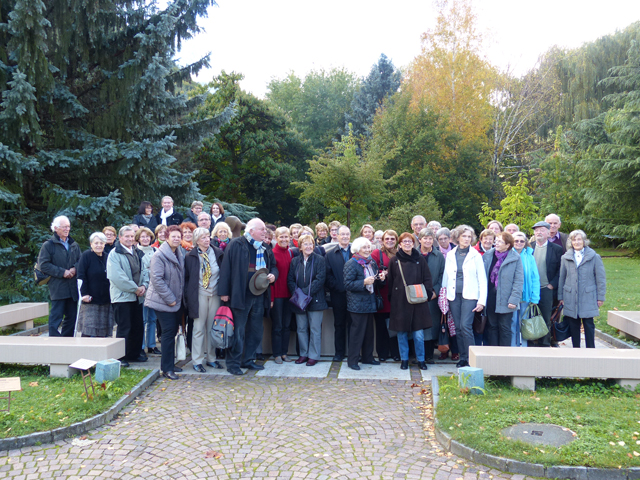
417 224
555 236
58 258
248 268
167 216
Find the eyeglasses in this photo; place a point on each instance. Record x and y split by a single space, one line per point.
519 241
407 242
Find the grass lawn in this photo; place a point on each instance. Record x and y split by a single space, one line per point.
46 403
605 418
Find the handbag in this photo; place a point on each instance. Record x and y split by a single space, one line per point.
300 299
181 346
533 325
479 322
559 325
415 293
443 338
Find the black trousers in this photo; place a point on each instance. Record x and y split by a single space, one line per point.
361 338
545 304
341 320
280 320
128 317
63 312
498 329
386 346
589 331
169 322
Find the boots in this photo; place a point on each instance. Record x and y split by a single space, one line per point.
429 346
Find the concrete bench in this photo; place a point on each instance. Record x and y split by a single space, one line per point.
627 322
22 315
523 365
58 352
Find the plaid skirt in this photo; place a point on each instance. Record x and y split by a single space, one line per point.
95 320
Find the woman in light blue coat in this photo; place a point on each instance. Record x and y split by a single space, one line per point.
531 289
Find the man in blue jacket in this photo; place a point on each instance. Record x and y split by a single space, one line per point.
335 260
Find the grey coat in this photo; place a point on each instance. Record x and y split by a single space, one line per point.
581 288
166 283
510 280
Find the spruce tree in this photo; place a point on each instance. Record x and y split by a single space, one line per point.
91 116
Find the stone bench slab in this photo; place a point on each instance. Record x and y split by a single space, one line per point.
21 315
59 352
626 322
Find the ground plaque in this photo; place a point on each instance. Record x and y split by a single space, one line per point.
540 434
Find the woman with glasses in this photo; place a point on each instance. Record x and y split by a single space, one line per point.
530 289
505 282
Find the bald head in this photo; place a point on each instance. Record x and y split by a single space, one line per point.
554 222
256 228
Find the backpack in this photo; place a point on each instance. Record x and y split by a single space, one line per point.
222 328
42 278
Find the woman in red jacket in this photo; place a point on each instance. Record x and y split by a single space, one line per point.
280 311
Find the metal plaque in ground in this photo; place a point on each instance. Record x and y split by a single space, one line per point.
540 434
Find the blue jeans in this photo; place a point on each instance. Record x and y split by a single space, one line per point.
247 333
63 312
516 338
418 343
149 339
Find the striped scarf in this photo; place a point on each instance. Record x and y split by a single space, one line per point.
260 248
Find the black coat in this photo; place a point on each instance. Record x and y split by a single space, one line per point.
222 218
191 217
53 260
554 259
316 277
335 269
139 220
174 219
407 317
359 299
192 279
234 273
92 270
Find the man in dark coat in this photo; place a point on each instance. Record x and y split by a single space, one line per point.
555 235
167 216
548 256
58 258
243 258
335 260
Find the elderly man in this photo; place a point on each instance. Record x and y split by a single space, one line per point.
247 270
335 260
511 228
167 216
196 209
204 221
555 236
547 256
58 258
417 224
129 283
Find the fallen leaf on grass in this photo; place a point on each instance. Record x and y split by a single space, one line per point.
621 444
33 384
212 454
547 415
636 454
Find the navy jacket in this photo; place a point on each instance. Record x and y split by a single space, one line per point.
192 279
53 260
92 270
316 277
359 299
335 268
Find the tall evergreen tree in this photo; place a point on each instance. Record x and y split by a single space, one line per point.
383 80
91 114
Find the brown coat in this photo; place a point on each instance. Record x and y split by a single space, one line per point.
406 317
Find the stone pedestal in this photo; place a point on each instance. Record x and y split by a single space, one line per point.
107 371
470 377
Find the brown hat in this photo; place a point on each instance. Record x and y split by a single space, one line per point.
259 282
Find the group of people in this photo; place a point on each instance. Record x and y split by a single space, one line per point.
163 272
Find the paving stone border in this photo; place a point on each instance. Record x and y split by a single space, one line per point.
616 342
79 428
522 468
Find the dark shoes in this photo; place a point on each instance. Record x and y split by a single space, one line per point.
404 365
430 361
372 362
141 358
301 360
220 353
338 358
177 369
124 363
235 371
462 363
311 362
455 357
259 356
214 365
354 367
170 375
422 365
252 366
396 359
154 351
199 368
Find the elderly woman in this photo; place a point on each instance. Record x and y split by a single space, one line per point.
201 274
505 280
281 310
495 226
161 235
531 288
295 230
377 239
485 243
217 213
221 235
443 236
367 232
308 273
333 231
95 318
166 287
582 287
187 236
196 209
144 238
435 260
466 282
385 346
145 216
408 267
111 235
322 234
360 273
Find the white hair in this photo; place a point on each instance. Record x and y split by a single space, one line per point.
553 215
359 243
432 225
219 226
200 232
166 196
574 234
251 224
126 228
418 217
99 235
204 215
56 222
344 227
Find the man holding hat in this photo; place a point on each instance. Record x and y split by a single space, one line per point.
248 267
547 256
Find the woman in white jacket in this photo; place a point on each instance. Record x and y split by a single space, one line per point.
466 282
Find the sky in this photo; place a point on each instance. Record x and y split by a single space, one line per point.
266 39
